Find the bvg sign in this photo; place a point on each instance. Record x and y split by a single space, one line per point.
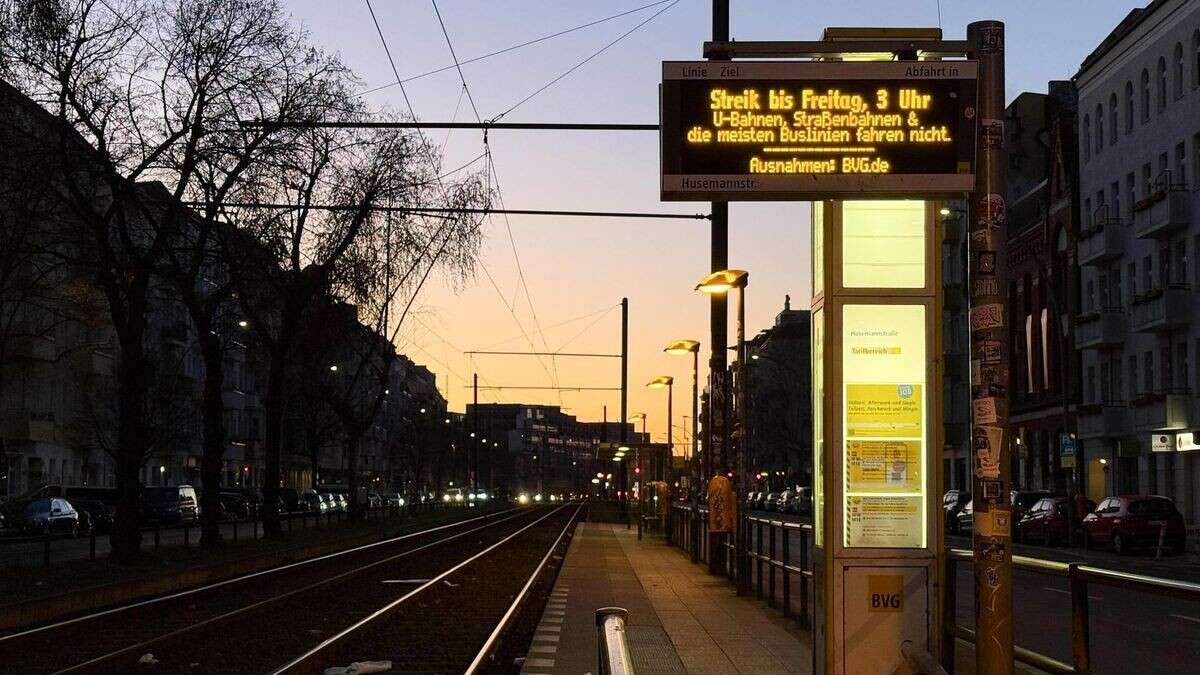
796 129
885 593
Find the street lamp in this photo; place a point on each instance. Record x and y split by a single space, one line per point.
683 348
715 284
719 283
666 382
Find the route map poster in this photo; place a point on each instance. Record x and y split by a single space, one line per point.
884 426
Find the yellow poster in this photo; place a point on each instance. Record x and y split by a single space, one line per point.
883 466
883 410
884 522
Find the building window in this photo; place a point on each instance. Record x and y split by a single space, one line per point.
1087 212
1181 262
1183 365
1148 273
1090 394
1087 138
1130 186
1115 201
1180 177
1162 84
1133 377
1178 71
1196 160
1128 107
1148 372
1099 128
1196 58
1145 96
1112 121
1132 281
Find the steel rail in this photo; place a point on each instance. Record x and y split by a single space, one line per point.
489 644
406 597
274 598
233 580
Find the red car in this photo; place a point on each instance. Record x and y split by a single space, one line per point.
1046 522
1135 520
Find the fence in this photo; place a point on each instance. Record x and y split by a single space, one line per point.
1078 578
776 553
688 529
46 549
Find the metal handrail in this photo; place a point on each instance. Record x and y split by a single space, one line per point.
613 642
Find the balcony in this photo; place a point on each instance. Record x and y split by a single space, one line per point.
1167 210
1096 330
1162 309
1100 420
1101 242
1157 411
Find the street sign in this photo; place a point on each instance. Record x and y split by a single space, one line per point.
1066 445
1163 442
770 130
1186 440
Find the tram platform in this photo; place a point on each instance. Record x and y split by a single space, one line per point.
681 619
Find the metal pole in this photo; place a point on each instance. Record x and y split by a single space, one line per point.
992 539
623 474
717 445
743 561
662 470
472 451
695 418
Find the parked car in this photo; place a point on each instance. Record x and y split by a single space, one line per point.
966 518
1131 521
312 502
760 502
53 515
803 501
374 500
772 502
952 504
1046 522
290 498
394 500
786 501
234 506
1022 501
750 497
337 502
99 515
170 505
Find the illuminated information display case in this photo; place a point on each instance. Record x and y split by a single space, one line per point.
790 129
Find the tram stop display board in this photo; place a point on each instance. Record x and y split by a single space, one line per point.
768 130
876 146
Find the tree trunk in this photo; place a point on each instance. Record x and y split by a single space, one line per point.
126 536
350 443
273 403
212 461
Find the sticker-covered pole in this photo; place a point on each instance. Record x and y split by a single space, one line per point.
992 537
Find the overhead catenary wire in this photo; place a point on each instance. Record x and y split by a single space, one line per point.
515 47
580 64
433 210
491 163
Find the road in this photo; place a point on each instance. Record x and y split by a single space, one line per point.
1131 631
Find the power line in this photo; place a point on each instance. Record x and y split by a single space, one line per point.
514 47
432 211
486 125
581 63
539 388
565 354
499 192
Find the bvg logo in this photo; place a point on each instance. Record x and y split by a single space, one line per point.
885 593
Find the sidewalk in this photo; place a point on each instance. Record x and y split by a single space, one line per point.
681 620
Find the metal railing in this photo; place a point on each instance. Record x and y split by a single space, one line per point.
771 561
612 642
1078 576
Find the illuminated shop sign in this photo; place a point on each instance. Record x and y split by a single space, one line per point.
796 129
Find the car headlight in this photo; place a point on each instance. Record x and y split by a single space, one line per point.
523 499
402 501
537 498
445 498
458 498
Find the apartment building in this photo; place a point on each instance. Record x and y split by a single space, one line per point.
1139 159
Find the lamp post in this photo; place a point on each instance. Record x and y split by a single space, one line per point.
681 348
719 283
637 473
667 382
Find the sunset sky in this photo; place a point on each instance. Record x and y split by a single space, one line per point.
576 270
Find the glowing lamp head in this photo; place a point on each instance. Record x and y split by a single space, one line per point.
660 382
721 282
682 347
